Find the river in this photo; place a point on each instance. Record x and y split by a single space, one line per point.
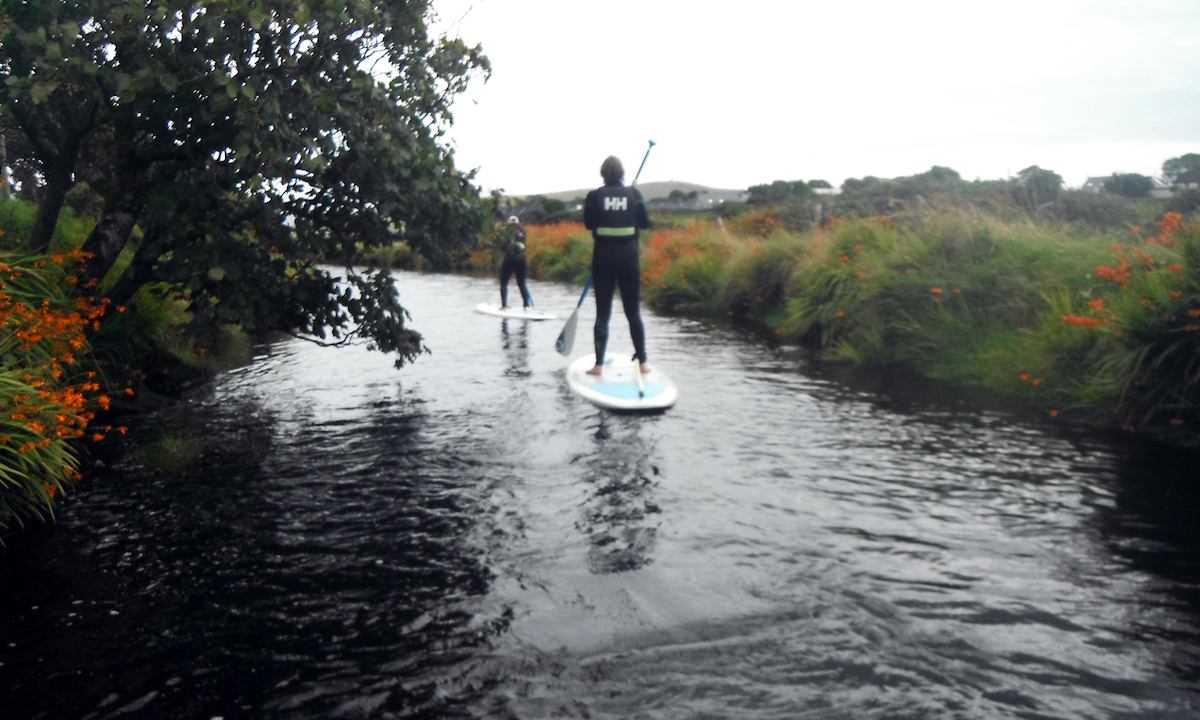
465 538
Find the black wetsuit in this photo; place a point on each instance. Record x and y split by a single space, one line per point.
615 214
513 241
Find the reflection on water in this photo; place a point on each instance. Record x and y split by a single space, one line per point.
618 512
466 538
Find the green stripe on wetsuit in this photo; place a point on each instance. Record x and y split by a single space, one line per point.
616 232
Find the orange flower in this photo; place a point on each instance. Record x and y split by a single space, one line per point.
1119 274
1096 304
935 291
1037 382
1176 422
50 489
1025 378
97 437
1053 413
1169 224
1194 312
845 259
1175 293
1077 320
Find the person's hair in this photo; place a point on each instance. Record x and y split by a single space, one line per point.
612 170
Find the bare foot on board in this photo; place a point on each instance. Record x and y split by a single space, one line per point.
596 370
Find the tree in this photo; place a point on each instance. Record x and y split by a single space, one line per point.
1130 185
1177 166
1033 187
246 141
780 191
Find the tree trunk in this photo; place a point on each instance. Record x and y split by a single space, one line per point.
5 178
110 235
54 193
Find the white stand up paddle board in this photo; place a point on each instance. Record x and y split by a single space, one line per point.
617 387
513 313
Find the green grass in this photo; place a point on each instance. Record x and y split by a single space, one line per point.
1012 305
173 452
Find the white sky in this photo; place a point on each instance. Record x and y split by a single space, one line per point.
744 92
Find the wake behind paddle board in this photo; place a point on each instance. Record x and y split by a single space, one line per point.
616 388
513 313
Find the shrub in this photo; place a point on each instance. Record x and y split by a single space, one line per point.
47 398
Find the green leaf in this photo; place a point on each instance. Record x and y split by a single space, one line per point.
41 91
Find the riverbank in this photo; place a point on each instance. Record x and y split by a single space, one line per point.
71 361
1092 326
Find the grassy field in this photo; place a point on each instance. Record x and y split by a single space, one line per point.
1102 326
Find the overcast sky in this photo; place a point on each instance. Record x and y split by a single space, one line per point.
744 92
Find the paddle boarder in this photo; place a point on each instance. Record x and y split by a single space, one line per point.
511 241
615 214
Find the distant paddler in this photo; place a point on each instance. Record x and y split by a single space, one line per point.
615 214
511 242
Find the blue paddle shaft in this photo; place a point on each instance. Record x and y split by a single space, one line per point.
587 286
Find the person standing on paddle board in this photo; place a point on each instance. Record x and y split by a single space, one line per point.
615 213
511 241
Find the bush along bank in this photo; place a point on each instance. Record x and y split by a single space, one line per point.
49 393
1100 327
70 360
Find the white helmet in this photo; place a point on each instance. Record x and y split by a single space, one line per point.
513 219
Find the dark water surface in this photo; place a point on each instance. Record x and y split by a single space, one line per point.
466 538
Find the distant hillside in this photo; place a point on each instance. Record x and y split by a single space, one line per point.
656 190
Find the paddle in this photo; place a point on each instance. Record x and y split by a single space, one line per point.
566 338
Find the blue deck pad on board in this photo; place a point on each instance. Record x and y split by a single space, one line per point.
628 390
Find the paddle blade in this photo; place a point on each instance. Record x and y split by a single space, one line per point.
566 338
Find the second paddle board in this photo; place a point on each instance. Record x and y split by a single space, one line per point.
513 313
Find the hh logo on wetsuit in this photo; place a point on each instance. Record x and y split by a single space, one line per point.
616 203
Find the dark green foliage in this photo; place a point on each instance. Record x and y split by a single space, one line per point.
1034 188
1097 210
1130 185
876 196
246 142
1184 202
732 208
780 191
1177 166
